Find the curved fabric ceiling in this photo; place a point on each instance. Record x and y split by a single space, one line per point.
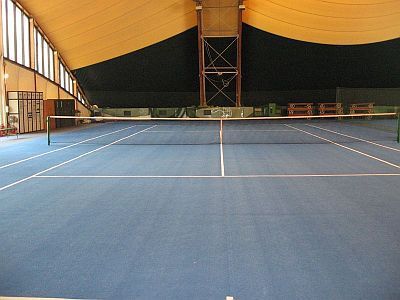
91 31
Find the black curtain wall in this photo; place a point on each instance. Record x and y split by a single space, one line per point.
275 69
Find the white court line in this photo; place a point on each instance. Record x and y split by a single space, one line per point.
219 176
355 138
221 150
217 119
73 159
180 131
262 130
348 148
63 148
227 130
34 298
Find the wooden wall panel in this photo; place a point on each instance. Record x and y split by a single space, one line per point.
19 78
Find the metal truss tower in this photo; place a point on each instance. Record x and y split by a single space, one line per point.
219 25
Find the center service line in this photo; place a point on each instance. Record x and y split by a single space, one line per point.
221 150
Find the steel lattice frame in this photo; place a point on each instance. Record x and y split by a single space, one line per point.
216 70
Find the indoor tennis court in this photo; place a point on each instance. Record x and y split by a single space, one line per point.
199 149
183 217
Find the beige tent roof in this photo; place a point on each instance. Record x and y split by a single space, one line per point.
91 31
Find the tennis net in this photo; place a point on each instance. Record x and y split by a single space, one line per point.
199 131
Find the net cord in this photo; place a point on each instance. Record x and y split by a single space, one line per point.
227 119
398 128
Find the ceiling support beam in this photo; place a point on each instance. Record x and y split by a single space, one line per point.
203 101
3 79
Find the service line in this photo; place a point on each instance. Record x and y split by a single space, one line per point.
216 176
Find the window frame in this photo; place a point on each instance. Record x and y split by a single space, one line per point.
18 44
16 33
43 49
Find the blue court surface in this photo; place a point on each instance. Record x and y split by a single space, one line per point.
149 211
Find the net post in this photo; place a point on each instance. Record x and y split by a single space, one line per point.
48 129
398 128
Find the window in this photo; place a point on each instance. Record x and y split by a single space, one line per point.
62 73
16 44
16 31
4 18
39 50
46 59
44 55
71 85
18 35
11 30
35 46
27 58
51 61
66 80
81 97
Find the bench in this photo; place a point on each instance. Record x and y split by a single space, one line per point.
6 131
